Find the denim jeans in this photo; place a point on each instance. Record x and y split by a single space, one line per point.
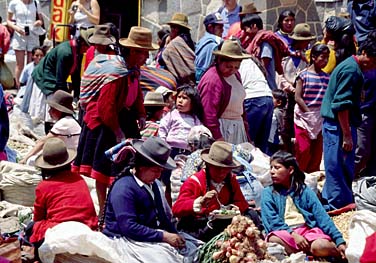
339 167
259 113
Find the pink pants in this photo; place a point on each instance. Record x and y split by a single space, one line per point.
308 152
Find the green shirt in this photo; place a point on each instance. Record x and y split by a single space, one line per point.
52 71
343 92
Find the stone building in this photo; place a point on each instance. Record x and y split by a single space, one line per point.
154 13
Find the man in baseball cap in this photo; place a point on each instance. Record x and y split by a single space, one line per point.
208 43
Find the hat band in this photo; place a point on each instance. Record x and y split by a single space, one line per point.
159 158
56 159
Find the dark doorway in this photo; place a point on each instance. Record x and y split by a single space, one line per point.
124 14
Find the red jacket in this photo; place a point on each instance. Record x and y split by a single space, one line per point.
61 198
192 189
4 39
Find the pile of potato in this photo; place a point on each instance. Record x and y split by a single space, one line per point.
241 243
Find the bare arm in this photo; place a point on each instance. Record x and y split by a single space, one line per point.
343 118
13 26
299 95
37 148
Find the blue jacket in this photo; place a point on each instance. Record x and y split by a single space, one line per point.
204 53
273 206
131 212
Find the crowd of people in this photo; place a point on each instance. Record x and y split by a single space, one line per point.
299 102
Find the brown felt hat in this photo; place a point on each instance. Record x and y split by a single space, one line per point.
139 37
231 49
179 19
153 98
302 31
220 154
62 101
55 155
102 36
249 8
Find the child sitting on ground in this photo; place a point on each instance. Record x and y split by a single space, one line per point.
293 215
275 140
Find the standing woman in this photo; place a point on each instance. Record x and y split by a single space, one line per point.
24 17
179 55
285 26
222 95
84 14
112 99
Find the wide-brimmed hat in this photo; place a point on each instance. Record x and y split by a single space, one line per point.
55 155
102 36
220 154
249 8
62 101
231 49
164 91
302 31
156 151
179 19
154 99
139 37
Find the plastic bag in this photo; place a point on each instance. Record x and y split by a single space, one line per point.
6 77
365 193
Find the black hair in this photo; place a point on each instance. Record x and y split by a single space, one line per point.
47 173
196 105
185 34
151 111
369 45
162 35
282 16
317 50
297 177
37 48
251 19
280 95
114 31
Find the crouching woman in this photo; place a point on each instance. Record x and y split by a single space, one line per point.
135 215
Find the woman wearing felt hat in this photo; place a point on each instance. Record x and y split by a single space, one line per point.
65 128
61 196
112 100
135 215
179 55
222 94
207 190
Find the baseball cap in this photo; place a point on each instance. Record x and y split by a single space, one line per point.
214 18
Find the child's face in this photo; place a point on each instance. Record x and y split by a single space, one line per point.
183 103
170 101
38 55
54 113
276 102
321 60
280 174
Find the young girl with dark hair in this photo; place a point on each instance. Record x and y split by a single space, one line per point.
311 85
176 124
285 26
292 214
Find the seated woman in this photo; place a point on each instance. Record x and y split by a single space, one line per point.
65 128
293 216
208 190
135 217
62 195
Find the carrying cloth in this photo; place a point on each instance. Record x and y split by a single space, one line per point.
152 78
102 70
365 193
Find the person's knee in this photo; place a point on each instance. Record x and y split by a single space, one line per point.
322 248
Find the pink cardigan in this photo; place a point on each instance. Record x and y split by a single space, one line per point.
215 95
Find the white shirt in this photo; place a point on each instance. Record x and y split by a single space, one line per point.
254 81
24 14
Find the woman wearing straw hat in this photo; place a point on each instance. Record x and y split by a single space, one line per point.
222 94
65 128
179 55
61 196
207 190
112 99
135 209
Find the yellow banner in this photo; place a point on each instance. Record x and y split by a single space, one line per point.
60 16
